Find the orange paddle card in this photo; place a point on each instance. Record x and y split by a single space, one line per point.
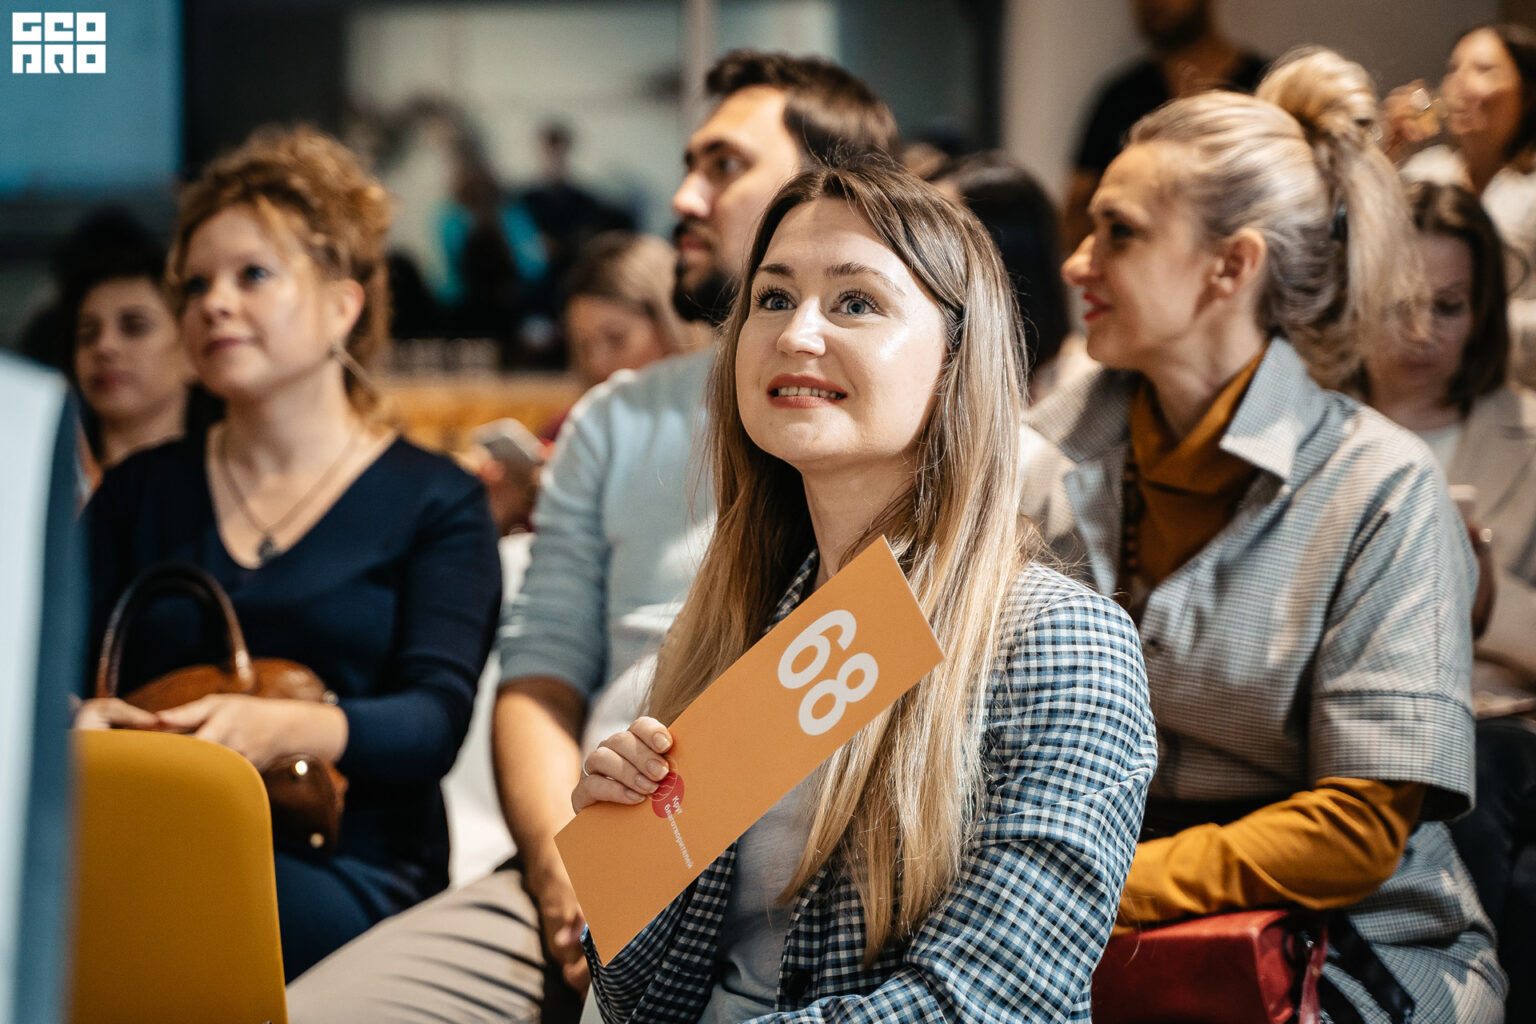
784 707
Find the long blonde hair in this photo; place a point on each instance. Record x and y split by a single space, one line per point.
894 803
1300 165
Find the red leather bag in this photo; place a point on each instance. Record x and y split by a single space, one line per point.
1251 967
306 792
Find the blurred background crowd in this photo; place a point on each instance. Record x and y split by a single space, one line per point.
510 132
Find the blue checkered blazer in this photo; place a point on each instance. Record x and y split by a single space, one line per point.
1069 749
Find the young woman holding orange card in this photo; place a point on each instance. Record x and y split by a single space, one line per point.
961 857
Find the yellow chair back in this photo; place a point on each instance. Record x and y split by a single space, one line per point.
176 905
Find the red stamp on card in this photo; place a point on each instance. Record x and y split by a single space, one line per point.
667 802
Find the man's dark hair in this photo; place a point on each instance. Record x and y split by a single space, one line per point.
832 115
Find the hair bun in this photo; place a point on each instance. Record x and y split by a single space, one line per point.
1298 162
1331 97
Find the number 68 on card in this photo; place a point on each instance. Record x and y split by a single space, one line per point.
852 647
835 693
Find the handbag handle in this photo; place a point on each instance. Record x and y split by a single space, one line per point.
169 577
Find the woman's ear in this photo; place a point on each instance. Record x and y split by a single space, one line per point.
345 305
1241 259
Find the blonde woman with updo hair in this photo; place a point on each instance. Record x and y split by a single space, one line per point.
1301 581
341 546
961 857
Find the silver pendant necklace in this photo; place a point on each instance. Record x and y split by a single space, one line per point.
267 549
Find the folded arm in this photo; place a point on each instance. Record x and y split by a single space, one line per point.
1321 848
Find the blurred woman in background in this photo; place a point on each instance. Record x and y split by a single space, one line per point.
618 309
618 306
128 361
1489 98
618 316
1450 388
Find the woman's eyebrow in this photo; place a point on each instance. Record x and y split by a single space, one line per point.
858 269
1104 209
1118 209
776 269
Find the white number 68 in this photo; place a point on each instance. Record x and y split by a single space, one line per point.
814 638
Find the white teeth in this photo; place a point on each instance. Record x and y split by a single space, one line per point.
806 393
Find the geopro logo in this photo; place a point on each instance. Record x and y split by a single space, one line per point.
58 43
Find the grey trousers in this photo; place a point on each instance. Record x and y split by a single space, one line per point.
465 956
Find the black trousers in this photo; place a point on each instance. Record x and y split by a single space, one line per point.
1497 840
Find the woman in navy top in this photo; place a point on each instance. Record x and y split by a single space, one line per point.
341 546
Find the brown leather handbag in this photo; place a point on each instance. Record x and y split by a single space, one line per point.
1249 967
306 792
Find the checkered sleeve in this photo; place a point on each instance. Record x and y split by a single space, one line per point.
670 966
1391 693
1069 751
